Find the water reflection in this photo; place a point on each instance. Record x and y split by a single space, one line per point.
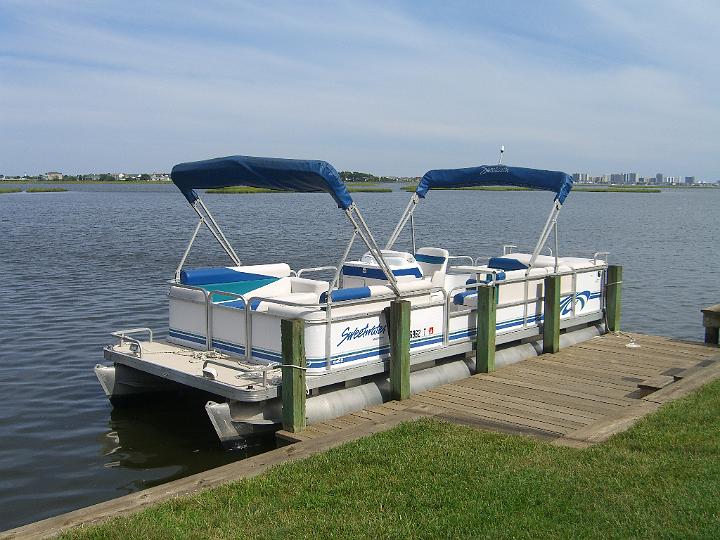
170 439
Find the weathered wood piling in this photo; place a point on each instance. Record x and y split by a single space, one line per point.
711 322
551 314
613 297
399 334
485 331
293 374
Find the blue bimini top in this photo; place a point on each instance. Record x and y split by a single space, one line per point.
497 175
306 176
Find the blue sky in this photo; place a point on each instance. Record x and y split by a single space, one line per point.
387 87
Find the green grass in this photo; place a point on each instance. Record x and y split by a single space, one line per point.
245 189
429 479
618 190
474 188
45 190
634 189
242 189
10 190
360 183
353 189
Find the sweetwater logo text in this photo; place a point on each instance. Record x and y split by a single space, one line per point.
348 335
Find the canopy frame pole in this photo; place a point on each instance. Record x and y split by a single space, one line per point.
556 245
214 233
412 232
336 279
354 215
187 249
228 247
551 221
409 210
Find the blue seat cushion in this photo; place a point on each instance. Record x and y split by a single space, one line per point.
429 259
506 263
352 293
204 276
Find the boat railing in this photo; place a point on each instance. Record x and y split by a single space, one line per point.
525 302
328 306
510 248
447 298
316 269
329 319
459 258
601 256
136 344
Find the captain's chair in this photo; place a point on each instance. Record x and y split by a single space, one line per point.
432 260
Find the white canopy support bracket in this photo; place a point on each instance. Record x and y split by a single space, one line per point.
187 249
355 217
406 215
212 225
549 225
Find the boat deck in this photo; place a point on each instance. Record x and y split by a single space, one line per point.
577 397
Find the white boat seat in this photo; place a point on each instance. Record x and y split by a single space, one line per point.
520 261
432 260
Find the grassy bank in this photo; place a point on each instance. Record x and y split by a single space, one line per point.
45 190
352 188
617 190
89 182
241 189
473 188
430 479
515 188
10 190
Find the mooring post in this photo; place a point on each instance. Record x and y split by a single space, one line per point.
711 322
551 315
399 334
613 297
485 334
293 374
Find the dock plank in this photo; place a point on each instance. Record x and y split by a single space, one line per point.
491 415
483 403
552 398
529 402
543 373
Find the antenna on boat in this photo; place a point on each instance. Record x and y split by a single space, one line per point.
502 149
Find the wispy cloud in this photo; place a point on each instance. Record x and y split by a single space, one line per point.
393 88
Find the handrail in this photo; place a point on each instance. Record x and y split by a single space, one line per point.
507 248
123 335
316 269
463 257
328 314
598 254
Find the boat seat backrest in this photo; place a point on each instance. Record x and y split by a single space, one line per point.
302 285
432 260
232 274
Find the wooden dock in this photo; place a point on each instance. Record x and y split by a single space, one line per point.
578 396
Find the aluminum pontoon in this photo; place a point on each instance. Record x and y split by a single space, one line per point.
224 323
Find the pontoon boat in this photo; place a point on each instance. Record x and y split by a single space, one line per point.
224 322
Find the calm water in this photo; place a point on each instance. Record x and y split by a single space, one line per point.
77 265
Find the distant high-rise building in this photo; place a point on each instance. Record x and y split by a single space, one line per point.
659 178
616 178
689 180
580 178
631 178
